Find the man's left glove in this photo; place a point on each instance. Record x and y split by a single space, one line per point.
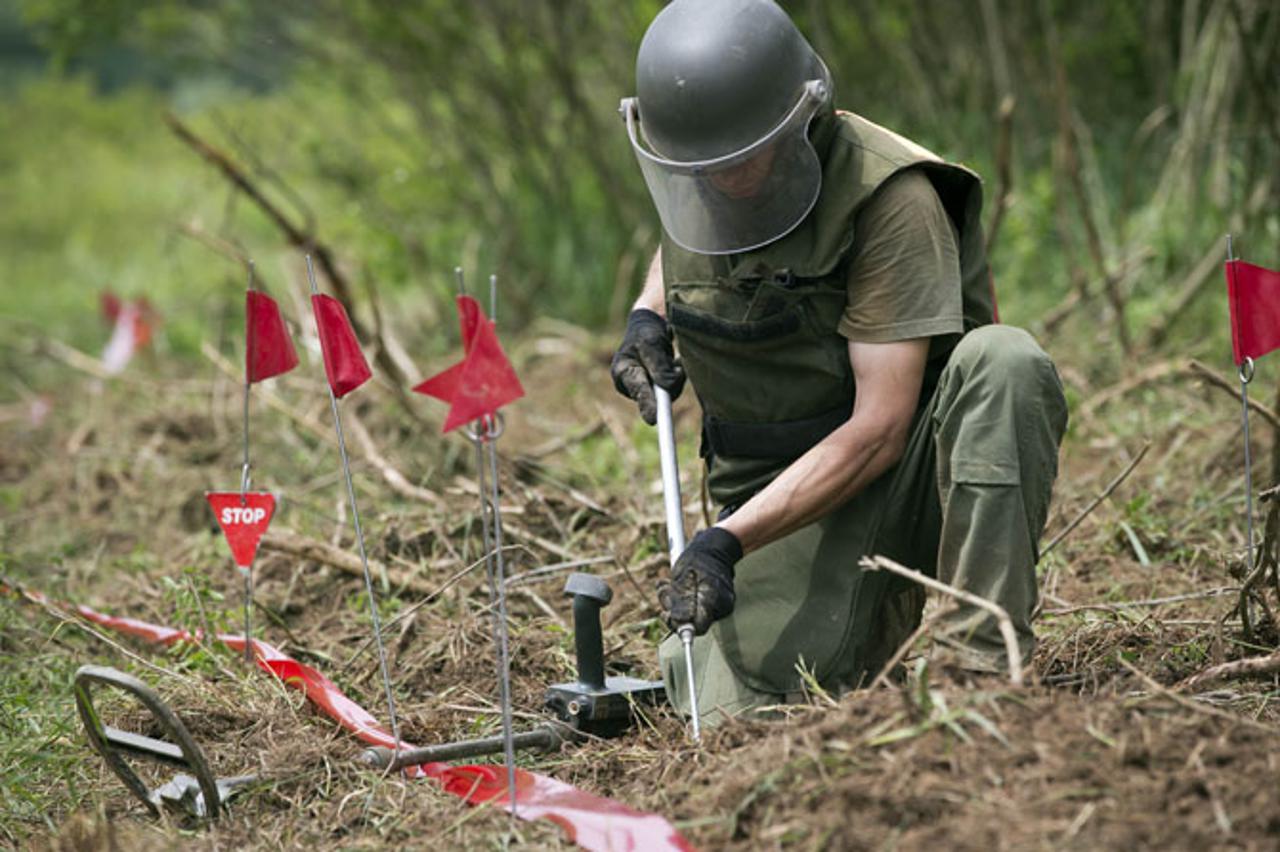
700 591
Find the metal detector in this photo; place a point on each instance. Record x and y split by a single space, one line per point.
200 794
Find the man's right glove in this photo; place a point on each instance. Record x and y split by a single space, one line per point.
644 358
700 591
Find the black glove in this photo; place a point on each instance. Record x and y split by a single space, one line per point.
700 591
645 358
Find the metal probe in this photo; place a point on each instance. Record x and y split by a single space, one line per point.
675 533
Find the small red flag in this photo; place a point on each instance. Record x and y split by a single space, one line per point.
243 523
344 363
268 350
131 324
483 381
1253 293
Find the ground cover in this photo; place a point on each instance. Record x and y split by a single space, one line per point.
1108 747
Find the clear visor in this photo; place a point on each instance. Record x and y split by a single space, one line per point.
745 199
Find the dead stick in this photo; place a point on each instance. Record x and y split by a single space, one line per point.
1211 376
398 481
1154 373
431 596
302 547
1172 599
298 237
874 563
1106 492
905 648
1189 703
1250 667
1004 165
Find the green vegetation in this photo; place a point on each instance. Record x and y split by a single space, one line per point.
419 136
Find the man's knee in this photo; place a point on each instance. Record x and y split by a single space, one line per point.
1003 356
1002 350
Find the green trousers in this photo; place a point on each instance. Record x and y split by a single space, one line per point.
966 503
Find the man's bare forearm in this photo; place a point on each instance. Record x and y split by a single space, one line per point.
828 475
652 294
888 378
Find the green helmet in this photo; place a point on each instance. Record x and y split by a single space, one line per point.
725 93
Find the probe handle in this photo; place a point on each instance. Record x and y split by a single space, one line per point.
675 532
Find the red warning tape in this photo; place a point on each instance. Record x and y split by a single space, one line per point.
593 822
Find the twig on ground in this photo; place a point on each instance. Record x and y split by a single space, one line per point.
292 544
398 482
874 563
1106 492
550 546
1154 373
1004 164
1112 607
1250 667
562 442
1190 703
542 605
540 573
1211 376
905 648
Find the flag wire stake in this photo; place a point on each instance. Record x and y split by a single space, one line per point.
364 558
484 433
247 572
1246 376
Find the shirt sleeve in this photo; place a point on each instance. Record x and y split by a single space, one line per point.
904 279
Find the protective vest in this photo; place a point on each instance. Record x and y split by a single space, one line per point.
758 336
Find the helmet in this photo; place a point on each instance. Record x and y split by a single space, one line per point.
725 91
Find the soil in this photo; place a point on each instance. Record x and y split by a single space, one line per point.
1105 748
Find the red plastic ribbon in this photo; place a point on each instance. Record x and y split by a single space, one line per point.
593 822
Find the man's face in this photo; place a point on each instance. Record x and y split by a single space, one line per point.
745 179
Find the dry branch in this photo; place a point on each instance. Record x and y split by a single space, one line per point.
905 648
298 236
1190 288
1004 166
1154 373
1163 370
875 563
1196 368
1189 703
302 547
393 477
1251 667
1106 492
1147 602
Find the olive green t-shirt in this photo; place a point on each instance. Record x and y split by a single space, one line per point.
904 277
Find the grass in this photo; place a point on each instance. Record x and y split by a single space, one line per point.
45 769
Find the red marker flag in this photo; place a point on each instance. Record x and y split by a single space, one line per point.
243 523
269 350
131 329
344 363
483 381
1253 293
